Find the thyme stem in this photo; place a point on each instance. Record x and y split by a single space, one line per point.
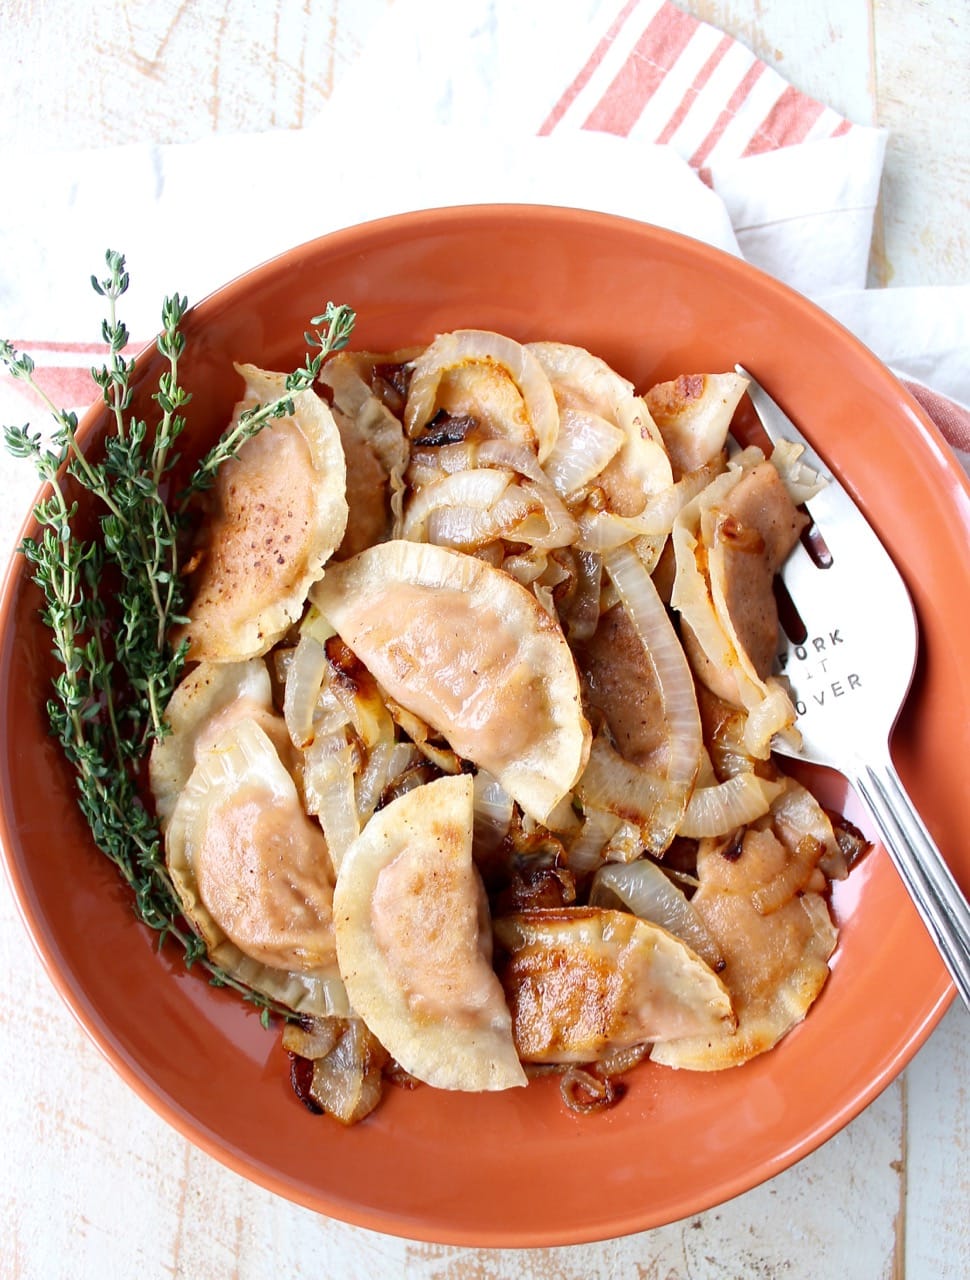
118 672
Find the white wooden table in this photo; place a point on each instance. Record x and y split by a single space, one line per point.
92 1183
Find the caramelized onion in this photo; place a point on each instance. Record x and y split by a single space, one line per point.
586 1092
466 346
348 1083
643 888
474 490
468 509
585 445
587 850
330 765
718 810
305 674
802 481
312 1037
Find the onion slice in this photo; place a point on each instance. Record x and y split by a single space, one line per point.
720 809
585 445
467 346
643 888
329 772
305 675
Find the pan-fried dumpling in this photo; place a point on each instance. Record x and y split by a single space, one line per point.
413 942
584 981
253 874
207 702
465 647
278 512
775 938
694 415
722 590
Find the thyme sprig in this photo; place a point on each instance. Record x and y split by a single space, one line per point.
116 668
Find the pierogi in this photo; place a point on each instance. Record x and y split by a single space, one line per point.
414 941
471 772
277 512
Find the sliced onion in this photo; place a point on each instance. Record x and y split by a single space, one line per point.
314 1040
526 567
585 1092
441 756
521 514
467 528
463 346
580 610
314 624
348 1082
635 796
365 709
720 809
478 490
616 785
802 481
549 525
493 811
585 445
675 683
385 762
601 530
772 717
563 818
330 715
643 888
330 766
585 852
356 399
625 844
431 463
468 509
305 674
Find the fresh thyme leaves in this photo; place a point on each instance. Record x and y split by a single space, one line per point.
117 669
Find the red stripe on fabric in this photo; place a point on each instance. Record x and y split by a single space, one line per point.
583 78
788 122
841 128
663 41
748 81
690 95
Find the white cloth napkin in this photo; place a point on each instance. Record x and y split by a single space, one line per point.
634 107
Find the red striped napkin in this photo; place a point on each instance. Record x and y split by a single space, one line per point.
660 75
582 115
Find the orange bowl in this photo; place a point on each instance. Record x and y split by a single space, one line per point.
516 1169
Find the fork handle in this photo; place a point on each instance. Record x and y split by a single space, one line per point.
938 898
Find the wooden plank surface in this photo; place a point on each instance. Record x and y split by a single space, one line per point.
93 1183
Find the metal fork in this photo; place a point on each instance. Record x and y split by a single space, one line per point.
849 691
